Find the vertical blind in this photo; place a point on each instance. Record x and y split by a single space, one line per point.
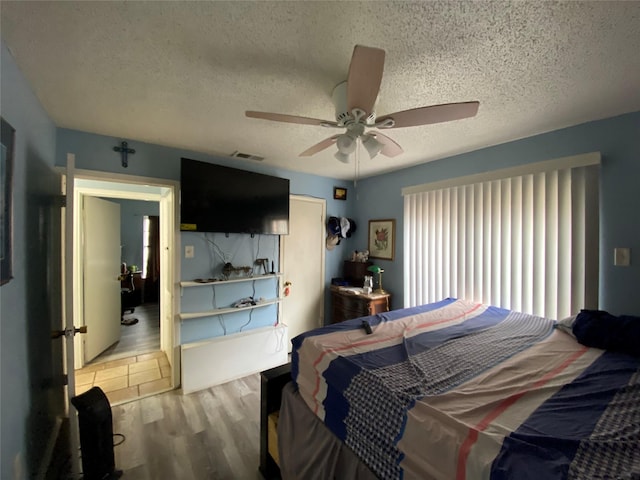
528 242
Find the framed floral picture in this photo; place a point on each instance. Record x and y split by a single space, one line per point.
382 238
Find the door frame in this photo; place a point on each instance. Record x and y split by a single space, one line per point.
323 203
164 191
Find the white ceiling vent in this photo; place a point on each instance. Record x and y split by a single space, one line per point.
248 156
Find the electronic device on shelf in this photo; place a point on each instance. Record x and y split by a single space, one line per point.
244 302
222 199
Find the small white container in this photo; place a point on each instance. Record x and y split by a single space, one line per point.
367 286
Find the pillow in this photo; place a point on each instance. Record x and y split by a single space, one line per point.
600 329
566 325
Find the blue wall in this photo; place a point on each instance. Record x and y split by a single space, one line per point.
618 140
213 250
95 152
379 197
30 303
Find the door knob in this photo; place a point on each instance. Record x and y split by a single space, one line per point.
68 332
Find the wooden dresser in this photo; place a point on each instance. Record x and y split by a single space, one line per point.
354 272
346 305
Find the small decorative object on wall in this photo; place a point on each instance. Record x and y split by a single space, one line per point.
339 193
228 270
6 207
382 238
124 151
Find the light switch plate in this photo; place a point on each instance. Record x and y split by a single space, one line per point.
622 257
189 251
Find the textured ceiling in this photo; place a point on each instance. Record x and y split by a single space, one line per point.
182 74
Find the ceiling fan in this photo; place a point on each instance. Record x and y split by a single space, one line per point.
354 102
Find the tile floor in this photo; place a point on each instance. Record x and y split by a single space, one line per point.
128 378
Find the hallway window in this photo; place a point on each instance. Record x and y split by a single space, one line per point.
146 245
151 257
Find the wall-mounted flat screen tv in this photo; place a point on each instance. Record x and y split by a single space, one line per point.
221 199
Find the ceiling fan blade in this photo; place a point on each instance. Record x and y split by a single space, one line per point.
365 76
279 117
433 114
389 146
326 143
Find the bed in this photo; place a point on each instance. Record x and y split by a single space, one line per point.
458 390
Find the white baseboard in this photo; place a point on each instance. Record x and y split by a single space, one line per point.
222 359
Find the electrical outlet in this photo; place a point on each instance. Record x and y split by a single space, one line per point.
189 251
622 257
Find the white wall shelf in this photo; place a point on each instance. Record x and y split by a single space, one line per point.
223 311
191 283
252 351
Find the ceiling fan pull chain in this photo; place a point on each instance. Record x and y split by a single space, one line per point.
357 167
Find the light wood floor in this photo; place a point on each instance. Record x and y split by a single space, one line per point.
211 434
142 337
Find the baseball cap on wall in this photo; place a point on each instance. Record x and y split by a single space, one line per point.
332 241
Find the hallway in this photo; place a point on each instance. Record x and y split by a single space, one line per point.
133 367
141 337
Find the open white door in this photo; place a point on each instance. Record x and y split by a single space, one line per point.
302 257
67 287
169 264
101 222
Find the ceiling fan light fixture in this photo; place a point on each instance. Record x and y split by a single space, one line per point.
346 144
344 158
355 110
372 145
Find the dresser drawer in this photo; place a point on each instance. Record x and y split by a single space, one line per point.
348 305
351 303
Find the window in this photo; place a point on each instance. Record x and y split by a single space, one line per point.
524 238
146 245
